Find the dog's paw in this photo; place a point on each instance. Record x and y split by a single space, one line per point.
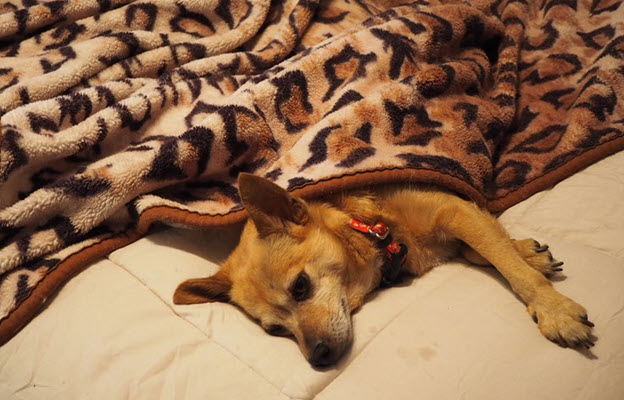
562 320
538 256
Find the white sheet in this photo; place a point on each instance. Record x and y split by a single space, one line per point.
457 332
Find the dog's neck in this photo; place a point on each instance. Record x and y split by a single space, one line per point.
365 258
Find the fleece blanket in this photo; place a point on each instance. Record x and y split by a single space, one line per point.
117 114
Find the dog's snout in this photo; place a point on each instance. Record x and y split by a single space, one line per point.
322 355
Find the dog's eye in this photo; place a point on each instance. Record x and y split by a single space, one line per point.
277 330
300 289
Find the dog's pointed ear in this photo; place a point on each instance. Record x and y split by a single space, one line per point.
204 290
269 206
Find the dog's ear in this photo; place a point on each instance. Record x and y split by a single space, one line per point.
269 206
204 290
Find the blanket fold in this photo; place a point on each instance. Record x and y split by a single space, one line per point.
118 114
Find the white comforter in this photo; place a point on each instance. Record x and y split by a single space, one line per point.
458 332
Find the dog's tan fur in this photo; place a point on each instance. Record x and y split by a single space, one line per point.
286 235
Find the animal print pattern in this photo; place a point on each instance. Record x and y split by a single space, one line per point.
118 113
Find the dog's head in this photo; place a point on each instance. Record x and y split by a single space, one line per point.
295 271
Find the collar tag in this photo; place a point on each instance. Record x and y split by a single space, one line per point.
379 230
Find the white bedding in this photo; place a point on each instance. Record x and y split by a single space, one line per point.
457 333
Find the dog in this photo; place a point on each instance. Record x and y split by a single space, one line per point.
302 268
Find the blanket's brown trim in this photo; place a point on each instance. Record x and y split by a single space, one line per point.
386 176
549 179
186 217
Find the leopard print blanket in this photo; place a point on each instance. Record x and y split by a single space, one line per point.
117 113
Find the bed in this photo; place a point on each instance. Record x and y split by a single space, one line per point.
125 123
457 332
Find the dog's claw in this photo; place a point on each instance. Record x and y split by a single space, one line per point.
587 322
560 342
558 264
588 343
557 269
534 316
585 343
541 249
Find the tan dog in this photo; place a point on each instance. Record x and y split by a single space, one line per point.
301 268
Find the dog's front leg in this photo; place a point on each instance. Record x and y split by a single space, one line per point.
559 318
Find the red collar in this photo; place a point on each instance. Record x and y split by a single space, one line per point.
395 253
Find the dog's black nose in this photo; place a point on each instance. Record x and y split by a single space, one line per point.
321 355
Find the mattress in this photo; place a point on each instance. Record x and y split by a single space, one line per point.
458 332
